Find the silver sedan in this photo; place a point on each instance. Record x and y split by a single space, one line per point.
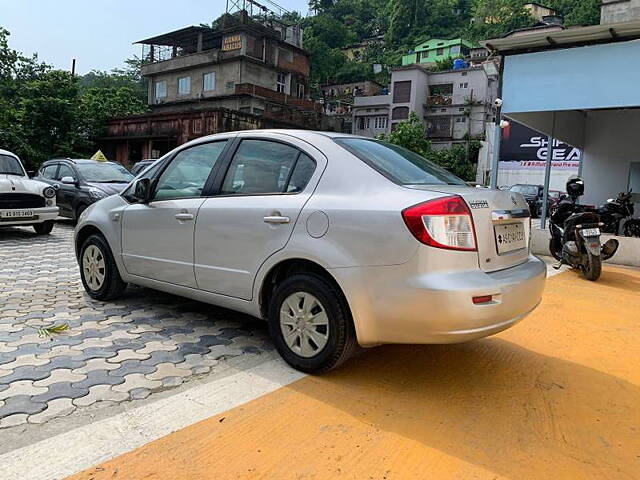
335 240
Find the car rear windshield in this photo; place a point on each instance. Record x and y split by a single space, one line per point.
398 164
104 172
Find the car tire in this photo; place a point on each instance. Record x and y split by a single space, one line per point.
318 302
98 269
44 228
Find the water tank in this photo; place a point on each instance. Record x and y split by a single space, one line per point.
459 64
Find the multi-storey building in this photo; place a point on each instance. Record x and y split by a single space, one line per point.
455 105
337 102
205 80
436 49
539 11
613 11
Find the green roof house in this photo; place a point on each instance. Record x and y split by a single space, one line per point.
438 49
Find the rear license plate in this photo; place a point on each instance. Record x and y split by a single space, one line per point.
510 237
590 232
16 213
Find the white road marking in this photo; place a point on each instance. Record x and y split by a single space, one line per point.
91 444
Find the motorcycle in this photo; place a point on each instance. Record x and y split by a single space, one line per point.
615 211
575 235
632 228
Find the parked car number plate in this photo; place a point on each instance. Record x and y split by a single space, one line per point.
590 232
16 213
510 237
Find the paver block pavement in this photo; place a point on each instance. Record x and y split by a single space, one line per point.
137 380
56 408
113 351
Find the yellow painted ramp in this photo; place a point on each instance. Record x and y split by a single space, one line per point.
556 397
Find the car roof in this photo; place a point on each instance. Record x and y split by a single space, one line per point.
7 152
75 161
307 135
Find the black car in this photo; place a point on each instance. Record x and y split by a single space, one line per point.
79 182
532 194
140 166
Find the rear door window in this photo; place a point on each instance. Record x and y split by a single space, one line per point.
301 174
262 167
398 164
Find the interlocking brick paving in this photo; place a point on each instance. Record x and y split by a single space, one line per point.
113 352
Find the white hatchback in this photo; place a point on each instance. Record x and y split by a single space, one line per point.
335 240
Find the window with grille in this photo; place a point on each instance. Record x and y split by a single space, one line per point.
281 83
184 86
402 92
400 113
161 89
209 81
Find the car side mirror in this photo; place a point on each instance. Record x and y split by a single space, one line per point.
68 180
142 190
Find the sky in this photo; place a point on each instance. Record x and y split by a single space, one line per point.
100 34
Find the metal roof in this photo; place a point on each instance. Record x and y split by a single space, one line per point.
183 37
566 38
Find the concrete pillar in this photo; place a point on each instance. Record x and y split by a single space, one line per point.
497 137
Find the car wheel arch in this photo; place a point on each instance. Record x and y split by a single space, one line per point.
287 267
85 232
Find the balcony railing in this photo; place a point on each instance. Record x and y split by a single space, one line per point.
439 100
303 103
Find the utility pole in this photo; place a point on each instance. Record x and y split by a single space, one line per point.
73 66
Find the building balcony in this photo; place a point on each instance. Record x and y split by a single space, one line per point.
183 62
439 100
372 101
268 94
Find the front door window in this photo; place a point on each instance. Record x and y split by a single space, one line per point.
186 175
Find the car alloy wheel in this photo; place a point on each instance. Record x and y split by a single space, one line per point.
93 265
304 324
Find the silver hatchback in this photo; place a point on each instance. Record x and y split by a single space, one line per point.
335 240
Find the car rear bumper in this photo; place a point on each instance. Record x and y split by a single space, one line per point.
39 215
391 305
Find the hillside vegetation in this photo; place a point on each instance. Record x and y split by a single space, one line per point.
405 23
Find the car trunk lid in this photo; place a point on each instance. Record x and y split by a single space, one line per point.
501 221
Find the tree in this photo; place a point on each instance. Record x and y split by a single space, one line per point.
577 12
411 135
46 112
496 18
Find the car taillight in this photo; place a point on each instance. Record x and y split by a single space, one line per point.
442 223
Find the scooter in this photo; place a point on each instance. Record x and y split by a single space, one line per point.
577 243
575 235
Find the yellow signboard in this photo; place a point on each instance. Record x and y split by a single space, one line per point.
99 156
231 42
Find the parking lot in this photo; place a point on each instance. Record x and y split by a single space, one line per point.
112 352
555 397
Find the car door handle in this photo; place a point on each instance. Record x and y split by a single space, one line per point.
276 219
183 216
